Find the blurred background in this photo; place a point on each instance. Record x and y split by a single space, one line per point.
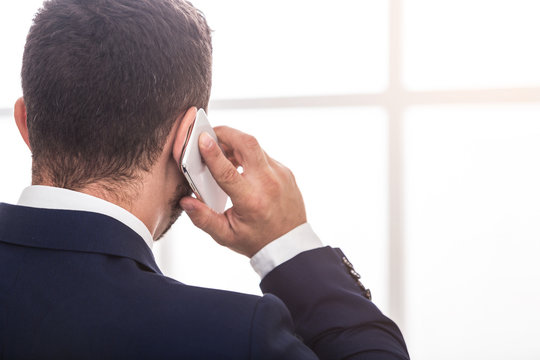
413 129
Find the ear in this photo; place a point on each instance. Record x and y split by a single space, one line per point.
181 136
20 118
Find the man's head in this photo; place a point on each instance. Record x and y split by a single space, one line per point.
104 84
105 80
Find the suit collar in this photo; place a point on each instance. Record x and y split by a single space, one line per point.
48 197
72 231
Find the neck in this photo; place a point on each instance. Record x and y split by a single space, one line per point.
135 197
148 197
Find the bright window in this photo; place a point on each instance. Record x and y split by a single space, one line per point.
296 48
470 44
412 127
472 231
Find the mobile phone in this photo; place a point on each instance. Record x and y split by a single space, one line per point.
195 171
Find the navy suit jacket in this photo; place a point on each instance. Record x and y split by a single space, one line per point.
81 285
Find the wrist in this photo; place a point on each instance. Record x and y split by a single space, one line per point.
301 238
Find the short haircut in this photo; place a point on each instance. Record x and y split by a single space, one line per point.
105 80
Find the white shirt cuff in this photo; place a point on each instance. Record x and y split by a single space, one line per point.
301 238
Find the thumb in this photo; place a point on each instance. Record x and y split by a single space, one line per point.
206 219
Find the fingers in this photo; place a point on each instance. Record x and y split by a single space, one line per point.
216 225
223 171
245 148
266 200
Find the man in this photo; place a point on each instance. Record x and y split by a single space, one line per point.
110 88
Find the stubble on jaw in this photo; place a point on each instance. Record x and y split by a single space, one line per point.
182 190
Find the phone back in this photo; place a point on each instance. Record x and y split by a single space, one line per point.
196 172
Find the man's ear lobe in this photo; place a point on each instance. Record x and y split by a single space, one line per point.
182 132
19 112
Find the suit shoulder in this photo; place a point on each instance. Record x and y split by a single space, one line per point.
166 289
152 316
218 321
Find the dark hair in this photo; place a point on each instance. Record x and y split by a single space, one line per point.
104 81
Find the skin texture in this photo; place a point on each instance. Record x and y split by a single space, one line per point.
266 200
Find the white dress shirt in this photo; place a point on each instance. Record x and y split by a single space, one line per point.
300 239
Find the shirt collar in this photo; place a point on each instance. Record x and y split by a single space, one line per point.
48 197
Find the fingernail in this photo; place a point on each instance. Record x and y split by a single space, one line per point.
206 140
188 207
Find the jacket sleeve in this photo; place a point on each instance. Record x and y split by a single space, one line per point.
272 333
330 310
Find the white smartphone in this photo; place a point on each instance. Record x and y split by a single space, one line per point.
195 171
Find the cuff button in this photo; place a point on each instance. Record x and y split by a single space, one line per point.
356 277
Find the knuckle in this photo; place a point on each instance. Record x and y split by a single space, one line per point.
219 240
273 188
220 130
284 170
291 175
259 205
228 174
250 142
272 185
281 169
286 174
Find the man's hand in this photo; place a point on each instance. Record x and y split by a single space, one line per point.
266 200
